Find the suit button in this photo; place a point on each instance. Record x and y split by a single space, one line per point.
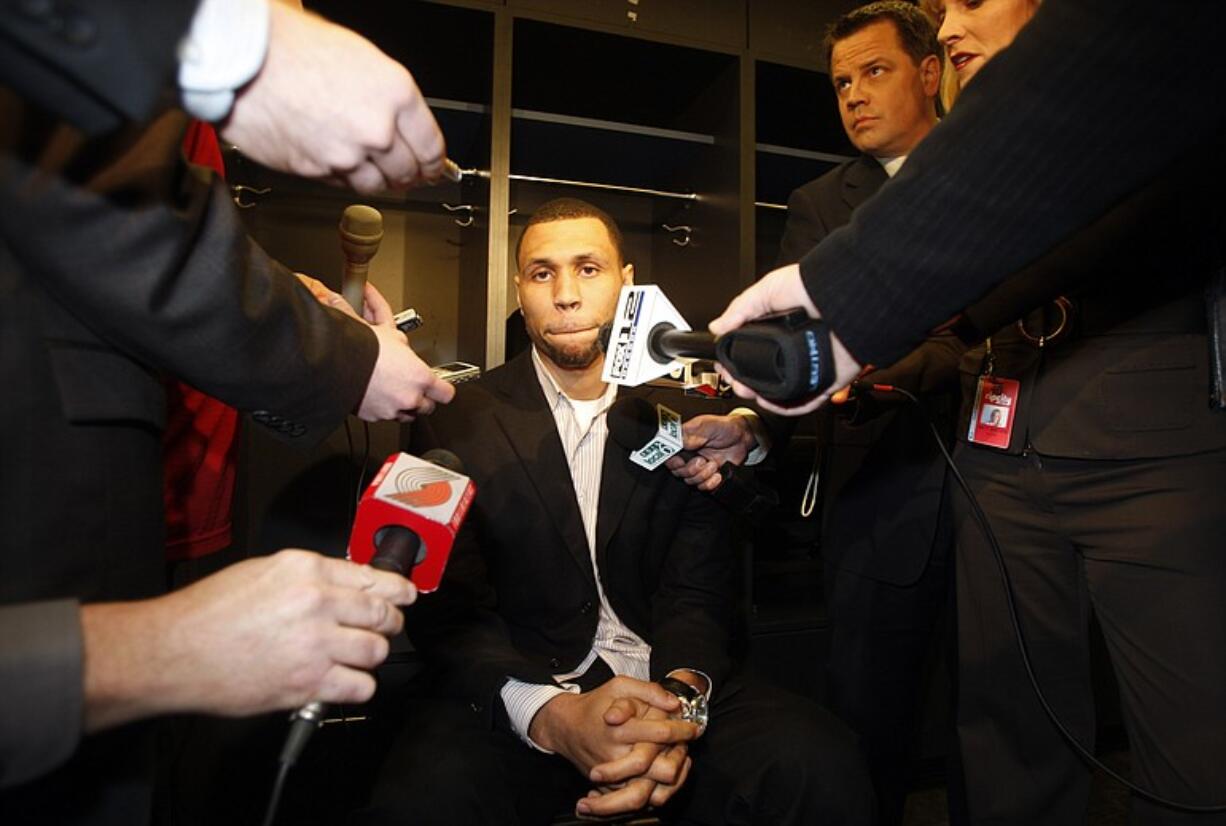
476 707
587 608
79 31
555 663
297 430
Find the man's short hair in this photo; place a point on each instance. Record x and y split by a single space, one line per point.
915 29
567 209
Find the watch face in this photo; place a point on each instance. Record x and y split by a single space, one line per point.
695 710
693 701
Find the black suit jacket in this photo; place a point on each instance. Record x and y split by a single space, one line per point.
94 64
117 264
881 480
1128 378
823 205
519 595
1030 154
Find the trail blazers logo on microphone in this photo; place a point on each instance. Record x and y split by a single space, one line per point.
427 499
422 487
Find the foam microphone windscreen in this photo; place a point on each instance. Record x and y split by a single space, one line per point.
361 232
632 422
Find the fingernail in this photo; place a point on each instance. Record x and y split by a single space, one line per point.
597 776
582 808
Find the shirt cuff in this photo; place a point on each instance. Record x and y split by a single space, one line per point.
223 51
42 687
524 700
760 433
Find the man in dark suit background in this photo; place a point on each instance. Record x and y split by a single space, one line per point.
576 565
886 541
885 64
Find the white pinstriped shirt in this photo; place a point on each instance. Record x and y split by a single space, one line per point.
583 430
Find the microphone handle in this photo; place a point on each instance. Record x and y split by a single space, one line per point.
397 549
738 491
353 283
666 343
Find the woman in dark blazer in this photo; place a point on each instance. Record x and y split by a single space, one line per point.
1105 496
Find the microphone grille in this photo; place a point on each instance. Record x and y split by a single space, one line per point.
444 459
633 422
362 222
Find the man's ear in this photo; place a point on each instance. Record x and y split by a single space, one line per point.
930 75
628 275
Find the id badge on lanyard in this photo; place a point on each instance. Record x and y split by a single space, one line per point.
993 411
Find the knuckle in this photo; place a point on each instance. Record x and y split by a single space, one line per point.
640 793
376 650
305 600
356 687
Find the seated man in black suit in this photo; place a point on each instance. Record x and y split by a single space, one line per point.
582 591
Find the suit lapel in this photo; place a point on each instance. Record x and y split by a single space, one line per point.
863 179
618 483
528 424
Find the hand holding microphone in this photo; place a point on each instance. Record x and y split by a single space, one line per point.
715 441
788 357
264 634
405 526
401 386
652 435
780 291
361 232
328 104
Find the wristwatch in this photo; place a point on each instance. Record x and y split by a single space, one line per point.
693 702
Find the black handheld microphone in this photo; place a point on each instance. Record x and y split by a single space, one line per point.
633 424
784 357
665 343
397 547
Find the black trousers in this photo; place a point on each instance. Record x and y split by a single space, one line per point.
766 758
882 638
1143 545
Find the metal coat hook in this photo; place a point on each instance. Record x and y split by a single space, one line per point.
684 241
466 208
239 190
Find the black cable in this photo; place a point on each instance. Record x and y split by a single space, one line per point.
998 554
275 799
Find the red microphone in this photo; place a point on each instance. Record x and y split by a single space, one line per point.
409 516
